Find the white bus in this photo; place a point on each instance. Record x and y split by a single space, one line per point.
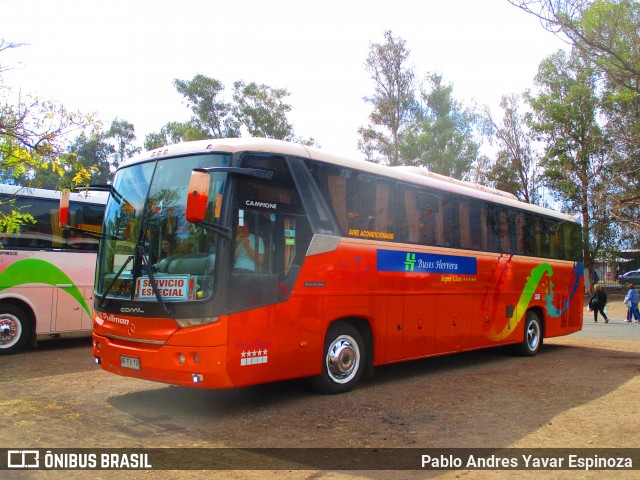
46 273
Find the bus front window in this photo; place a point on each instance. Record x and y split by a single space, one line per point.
146 229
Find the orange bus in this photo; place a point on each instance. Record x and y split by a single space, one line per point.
233 262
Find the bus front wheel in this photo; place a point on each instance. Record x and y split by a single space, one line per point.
343 359
14 329
532 335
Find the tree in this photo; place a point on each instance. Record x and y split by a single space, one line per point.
261 110
392 100
123 134
516 168
97 155
565 115
174 132
441 135
211 114
6 45
33 137
604 31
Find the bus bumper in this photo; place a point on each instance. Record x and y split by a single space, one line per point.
201 367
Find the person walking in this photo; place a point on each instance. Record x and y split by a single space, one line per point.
597 302
631 301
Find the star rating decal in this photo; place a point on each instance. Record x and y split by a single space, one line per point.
253 357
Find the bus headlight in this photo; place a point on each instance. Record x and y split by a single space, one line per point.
195 322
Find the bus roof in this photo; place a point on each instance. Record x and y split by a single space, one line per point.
411 175
86 197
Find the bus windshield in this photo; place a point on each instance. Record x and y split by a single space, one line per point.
146 235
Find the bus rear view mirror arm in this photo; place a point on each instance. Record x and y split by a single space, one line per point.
222 231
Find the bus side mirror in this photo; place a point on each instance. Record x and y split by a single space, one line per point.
63 210
198 196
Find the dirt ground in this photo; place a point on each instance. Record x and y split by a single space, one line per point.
579 392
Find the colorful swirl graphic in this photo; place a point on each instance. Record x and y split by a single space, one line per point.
534 279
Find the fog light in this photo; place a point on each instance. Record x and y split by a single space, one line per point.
96 360
181 359
197 377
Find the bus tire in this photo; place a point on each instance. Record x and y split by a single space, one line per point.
343 359
15 329
532 335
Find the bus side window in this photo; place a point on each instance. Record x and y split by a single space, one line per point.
337 186
493 228
361 202
519 231
484 227
428 206
471 225
448 221
505 240
409 221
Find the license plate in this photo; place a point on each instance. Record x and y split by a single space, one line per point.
130 362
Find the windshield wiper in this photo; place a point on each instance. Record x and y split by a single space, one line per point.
91 233
106 292
152 280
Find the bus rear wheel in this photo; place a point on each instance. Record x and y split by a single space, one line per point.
14 329
532 335
343 359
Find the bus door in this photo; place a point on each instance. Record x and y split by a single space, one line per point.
270 238
270 235
253 280
70 315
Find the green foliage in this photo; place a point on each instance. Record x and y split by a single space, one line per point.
33 138
174 132
604 31
262 111
576 161
258 109
415 127
441 136
211 114
392 101
13 222
516 169
122 133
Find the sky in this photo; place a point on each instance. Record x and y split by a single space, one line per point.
119 58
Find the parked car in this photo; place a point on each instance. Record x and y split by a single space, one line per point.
630 277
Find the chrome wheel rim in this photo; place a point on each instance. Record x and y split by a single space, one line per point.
533 335
10 330
343 359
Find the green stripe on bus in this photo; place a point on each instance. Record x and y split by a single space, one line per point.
32 270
